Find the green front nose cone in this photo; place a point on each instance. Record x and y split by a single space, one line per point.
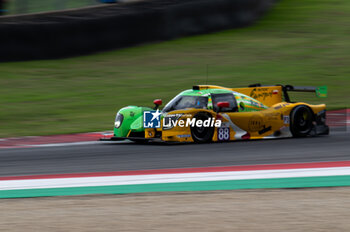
137 125
132 120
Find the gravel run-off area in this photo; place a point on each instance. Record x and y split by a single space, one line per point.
312 209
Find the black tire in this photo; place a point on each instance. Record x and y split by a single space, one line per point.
301 123
202 134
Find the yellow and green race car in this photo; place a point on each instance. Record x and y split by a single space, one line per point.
208 113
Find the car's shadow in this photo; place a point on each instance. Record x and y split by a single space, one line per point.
162 143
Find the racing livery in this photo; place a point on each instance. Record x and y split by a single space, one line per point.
255 112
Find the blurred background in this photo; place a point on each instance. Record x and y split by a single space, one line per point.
35 6
71 71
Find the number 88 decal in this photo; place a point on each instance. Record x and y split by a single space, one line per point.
224 133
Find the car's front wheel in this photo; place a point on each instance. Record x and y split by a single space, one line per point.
202 134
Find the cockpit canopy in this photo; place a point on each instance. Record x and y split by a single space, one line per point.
183 101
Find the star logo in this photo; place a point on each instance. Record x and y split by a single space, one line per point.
151 119
155 115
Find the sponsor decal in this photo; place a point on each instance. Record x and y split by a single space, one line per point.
254 103
281 105
183 136
272 116
151 119
261 93
286 120
264 130
210 103
255 123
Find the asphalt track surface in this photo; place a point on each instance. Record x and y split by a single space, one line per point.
122 156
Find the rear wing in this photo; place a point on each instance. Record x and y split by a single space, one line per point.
321 91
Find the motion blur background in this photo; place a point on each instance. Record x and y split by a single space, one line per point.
69 71
34 6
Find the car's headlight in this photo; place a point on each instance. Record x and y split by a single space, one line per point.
118 120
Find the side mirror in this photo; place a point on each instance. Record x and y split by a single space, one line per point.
222 105
157 102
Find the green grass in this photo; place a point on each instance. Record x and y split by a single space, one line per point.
300 42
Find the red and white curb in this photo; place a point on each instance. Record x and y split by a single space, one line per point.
321 174
144 181
339 118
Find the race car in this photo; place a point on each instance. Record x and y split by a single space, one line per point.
209 113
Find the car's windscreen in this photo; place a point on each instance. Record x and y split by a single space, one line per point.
183 102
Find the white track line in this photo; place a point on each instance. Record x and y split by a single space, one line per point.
63 144
69 144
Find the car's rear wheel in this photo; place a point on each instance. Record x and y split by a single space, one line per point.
301 121
202 134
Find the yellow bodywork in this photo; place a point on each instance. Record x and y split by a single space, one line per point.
259 124
272 122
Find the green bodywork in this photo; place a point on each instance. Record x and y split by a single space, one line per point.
133 115
203 92
244 102
133 120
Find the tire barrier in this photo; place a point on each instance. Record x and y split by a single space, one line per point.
79 32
